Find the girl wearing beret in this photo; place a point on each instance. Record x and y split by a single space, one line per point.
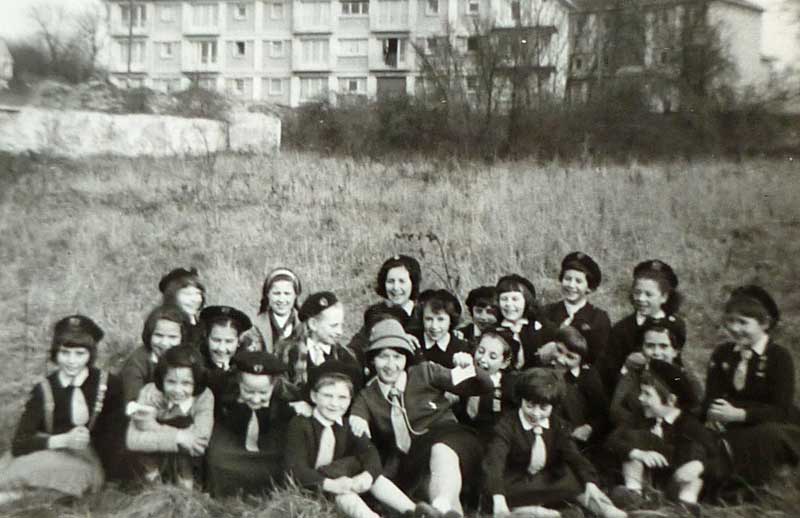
164 328
225 325
516 297
750 389
182 287
277 317
68 430
580 276
405 411
247 446
439 341
172 419
654 295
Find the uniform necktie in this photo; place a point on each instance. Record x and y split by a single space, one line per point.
327 443
80 411
251 440
401 434
538 452
473 403
657 428
740 375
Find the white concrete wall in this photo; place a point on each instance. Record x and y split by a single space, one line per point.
740 34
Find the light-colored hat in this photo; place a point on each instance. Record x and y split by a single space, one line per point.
389 334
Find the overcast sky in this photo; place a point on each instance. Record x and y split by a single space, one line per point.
781 34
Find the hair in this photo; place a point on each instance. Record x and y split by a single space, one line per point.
83 342
508 350
412 267
659 326
171 290
380 312
539 386
438 302
484 296
578 267
660 387
514 283
573 340
279 274
674 296
224 321
751 308
183 356
331 379
165 312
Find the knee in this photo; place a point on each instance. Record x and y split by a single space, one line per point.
688 473
441 452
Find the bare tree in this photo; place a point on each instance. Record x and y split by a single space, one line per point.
89 35
49 22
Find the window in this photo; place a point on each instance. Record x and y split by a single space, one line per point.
238 86
312 88
472 84
166 85
240 49
205 15
275 86
432 7
276 10
394 52
515 10
315 13
355 8
137 52
353 85
167 49
205 52
139 15
664 57
276 49
472 44
167 13
473 7
431 45
578 64
207 83
240 12
353 47
314 52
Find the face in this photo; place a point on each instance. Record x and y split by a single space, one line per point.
166 335
574 286
652 404
178 384
647 297
332 400
389 365
483 317
744 330
398 285
512 305
567 358
535 413
222 343
189 299
281 297
657 346
435 323
327 326
255 390
490 355
72 360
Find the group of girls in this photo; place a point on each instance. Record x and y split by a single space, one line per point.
528 408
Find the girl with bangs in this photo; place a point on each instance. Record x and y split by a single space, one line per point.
277 317
182 287
520 313
225 325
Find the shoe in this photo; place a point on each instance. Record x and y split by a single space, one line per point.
626 498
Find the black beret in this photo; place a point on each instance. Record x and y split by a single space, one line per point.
78 330
760 296
674 325
654 265
258 362
674 378
584 263
328 367
481 294
516 279
215 313
315 304
177 274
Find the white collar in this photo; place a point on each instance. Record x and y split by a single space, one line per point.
223 365
574 308
528 426
576 371
324 421
496 377
761 345
441 344
313 344
518 325
641 318
153 357
476 331
672 416
77 381
400 384
408 307
281 320
184 405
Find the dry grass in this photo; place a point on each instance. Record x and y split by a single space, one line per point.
95 236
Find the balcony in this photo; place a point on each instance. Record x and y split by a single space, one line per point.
312 17
390 16
390 54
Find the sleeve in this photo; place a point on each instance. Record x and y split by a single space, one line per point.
596 395
494 462
297 456
694 443
447 380
360 407
612 357
568 451
152 437
252 340
367 454
715 380
619 411
108 434
598 336
30 436
133 378
203 414
781 393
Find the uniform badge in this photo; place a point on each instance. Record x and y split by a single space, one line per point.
586 327
74 321
258 368
725 366
323 302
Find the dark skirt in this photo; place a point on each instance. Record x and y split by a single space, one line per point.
232 470
757 452
549 487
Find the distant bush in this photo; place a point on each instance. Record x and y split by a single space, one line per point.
202 103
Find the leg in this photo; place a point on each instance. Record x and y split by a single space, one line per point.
598 503
633 473
353 506
536 511
389 494
689 481
445 484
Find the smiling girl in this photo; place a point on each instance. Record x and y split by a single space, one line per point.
225 325
182 287
516 297
440 314
277 317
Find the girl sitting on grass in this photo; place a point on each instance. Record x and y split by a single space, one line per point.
516 297
224 325
277 315
172 420
69 423
182 287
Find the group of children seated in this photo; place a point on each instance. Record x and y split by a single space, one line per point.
528 409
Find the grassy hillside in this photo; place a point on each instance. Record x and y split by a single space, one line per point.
94 236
